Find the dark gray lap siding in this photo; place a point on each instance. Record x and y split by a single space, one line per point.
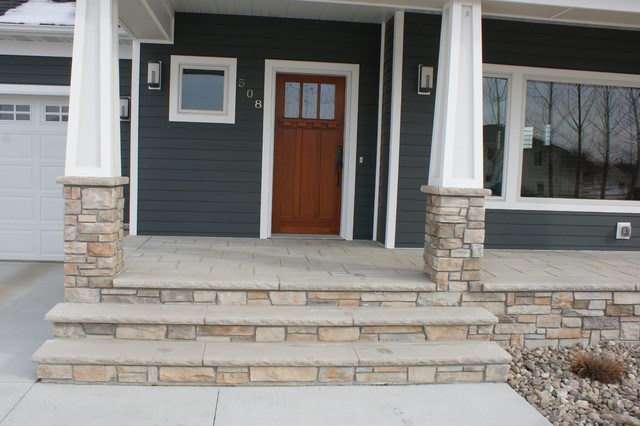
421 46
204 179
56 71
565 47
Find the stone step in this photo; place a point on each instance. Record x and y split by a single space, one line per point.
149 362
269 323
247 289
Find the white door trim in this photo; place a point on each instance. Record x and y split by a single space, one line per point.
351 72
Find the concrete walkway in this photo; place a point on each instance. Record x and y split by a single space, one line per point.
29 290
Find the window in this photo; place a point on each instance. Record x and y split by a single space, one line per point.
561 140
15 112
310 104
202 89
56 113
586 137
495 96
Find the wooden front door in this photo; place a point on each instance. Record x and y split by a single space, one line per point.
308 154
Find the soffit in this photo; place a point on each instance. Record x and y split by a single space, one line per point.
598 13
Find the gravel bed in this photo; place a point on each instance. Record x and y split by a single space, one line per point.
543 377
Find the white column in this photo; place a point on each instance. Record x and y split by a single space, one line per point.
456 153
93 136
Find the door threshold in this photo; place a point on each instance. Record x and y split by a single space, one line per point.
307 236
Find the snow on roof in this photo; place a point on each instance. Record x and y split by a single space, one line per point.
36 12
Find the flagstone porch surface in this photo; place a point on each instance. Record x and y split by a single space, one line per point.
285 263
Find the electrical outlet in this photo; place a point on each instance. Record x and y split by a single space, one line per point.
623 232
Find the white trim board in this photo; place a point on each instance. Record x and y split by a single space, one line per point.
394 139
512 200
134 135
376 197
48 49
33 89
351 72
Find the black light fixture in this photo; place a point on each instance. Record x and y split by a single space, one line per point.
425 79
154 75
125 108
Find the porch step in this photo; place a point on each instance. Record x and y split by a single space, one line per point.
149 362
241 288
269 323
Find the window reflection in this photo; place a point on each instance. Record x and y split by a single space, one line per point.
310 100
584 141
291 100
494 124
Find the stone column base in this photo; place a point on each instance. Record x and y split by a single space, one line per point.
93 235
454 237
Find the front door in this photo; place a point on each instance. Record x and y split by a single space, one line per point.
308 154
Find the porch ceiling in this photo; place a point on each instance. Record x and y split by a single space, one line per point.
612 13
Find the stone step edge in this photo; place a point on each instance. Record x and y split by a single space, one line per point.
200 354
206 314
129 280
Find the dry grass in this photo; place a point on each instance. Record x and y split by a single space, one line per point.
604 368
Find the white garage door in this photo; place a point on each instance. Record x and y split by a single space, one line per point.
32 151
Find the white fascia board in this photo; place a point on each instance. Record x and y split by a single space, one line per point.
37 30
632 6
33 89
48 49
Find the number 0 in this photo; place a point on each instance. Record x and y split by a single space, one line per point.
249 93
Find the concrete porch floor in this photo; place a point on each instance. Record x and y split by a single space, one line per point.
343 261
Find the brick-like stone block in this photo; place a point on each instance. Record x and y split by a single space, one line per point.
564 333
422 374
562 300
232 298
94 373
339 334
283 374
181 332
68 330
601 323
626 298
496 373
187 374
446 332
270 334
288 298
336 374
141 331
50 371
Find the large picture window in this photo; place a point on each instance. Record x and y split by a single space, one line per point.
561 140
203 89
581 141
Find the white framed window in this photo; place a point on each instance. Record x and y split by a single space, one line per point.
203 89
57 113
570 142
19 112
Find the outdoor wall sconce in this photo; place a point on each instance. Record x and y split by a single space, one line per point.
425 79
154 75
125 107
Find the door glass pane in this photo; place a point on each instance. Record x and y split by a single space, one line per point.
327 101
581 141
495 94
202 89
292 100
310 100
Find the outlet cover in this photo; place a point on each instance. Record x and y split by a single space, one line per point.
623 231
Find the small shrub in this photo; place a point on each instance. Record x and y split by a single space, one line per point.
604 368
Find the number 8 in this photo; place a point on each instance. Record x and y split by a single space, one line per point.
258 104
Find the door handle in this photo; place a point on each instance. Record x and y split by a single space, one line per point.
339 164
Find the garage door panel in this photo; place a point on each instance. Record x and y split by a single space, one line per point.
16 177
16 145
32 154
17 208
17 242
52 210
52 147
51 242
48 175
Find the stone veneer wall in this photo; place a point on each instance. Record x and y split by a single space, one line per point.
560 315
93 235
454 237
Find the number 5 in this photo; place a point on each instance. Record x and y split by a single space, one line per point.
241 82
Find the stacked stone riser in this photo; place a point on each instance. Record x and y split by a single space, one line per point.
245 333
270 376
264 298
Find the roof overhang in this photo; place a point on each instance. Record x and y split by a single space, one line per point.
153 20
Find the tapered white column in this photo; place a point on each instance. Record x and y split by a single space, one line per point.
93 136
456 153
